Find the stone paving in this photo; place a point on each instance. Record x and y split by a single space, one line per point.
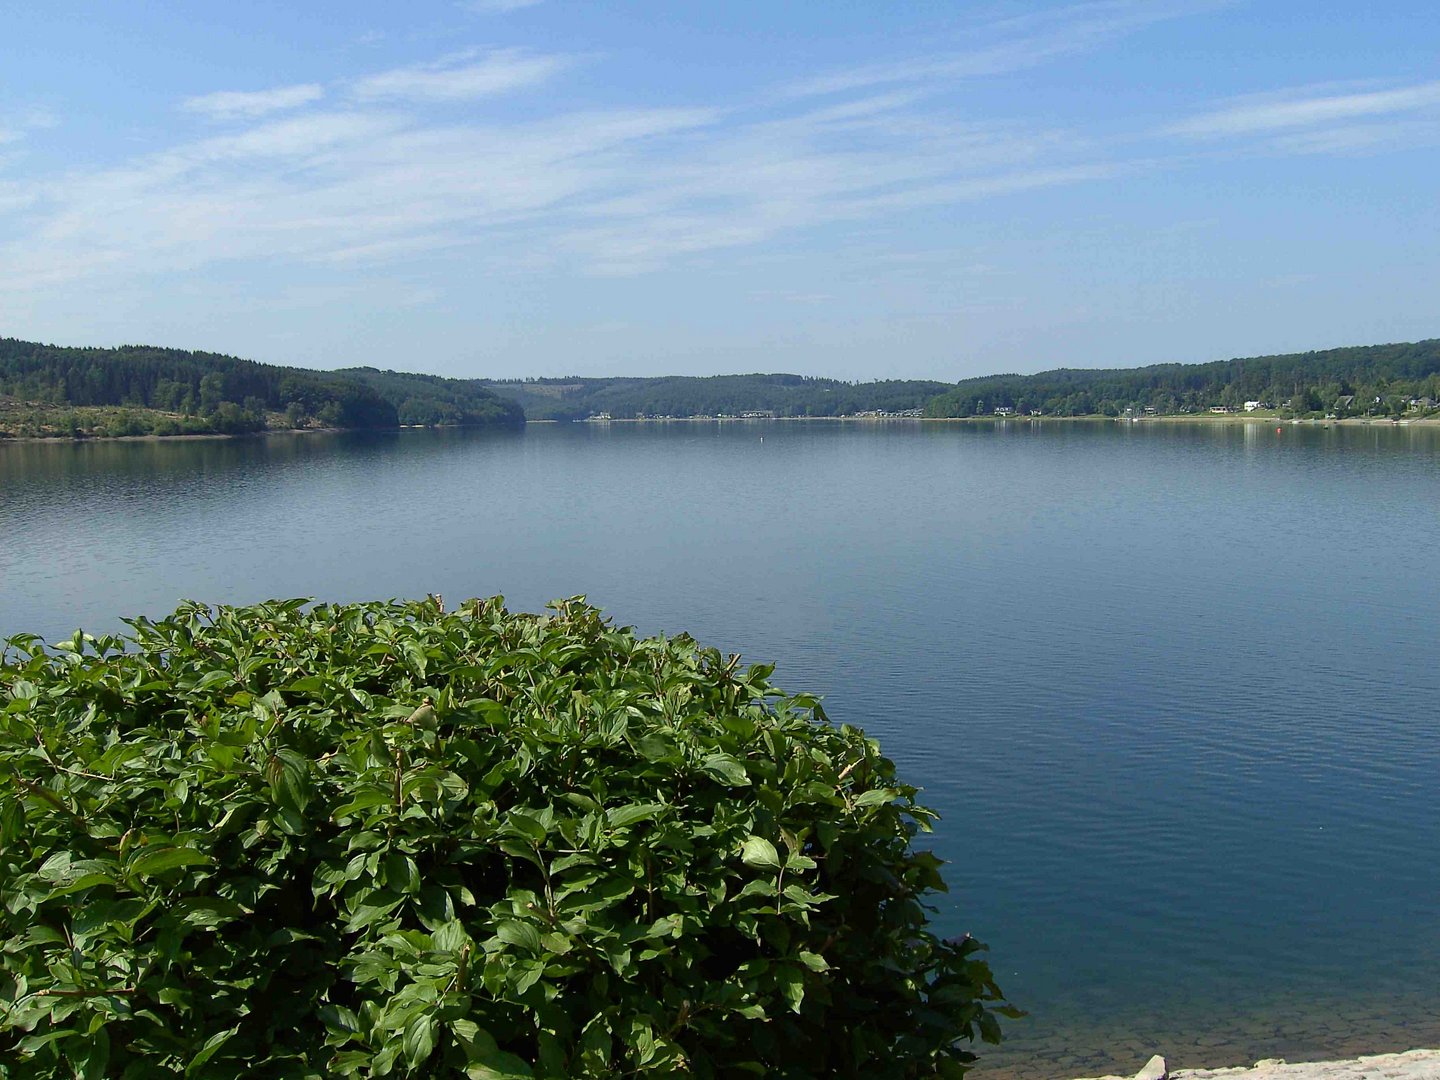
1411 1065
1205 1042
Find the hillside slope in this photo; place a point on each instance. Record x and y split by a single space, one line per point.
715 395
174 391
1302 382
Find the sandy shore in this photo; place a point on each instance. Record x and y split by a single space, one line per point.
1412 1065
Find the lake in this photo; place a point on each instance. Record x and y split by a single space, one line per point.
1173 687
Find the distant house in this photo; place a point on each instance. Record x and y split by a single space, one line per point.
1219 409
1004 410
1345 401
1422 403
1251 406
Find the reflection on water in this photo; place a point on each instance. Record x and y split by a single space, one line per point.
1172 686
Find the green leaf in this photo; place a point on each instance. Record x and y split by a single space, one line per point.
727 768
989 1029
528 826
209 1049
364 801
94 1061
622 816
484 1058
157 861
527 974
206 912
759 852
792 985
37 935
339 1018
814 961
876 797
655 747
419 1041
70 875
521 935
213 678
307 685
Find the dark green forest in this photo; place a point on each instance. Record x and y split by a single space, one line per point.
139 390
1373 380
434 401
716 395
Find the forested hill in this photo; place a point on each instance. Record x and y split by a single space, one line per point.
1376 379
131 390
433 400
200 391
716 395
1373 379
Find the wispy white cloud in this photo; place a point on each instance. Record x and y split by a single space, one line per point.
608 192
1016 43
743 183
249 104
15 196
17 124
1294 110
1368 138
386 180
336 188
614 191
461 78
496 7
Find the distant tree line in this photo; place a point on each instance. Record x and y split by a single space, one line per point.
174 391
675 395
138 390
1376 380
434 401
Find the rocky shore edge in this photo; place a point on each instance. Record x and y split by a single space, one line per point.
1411 1065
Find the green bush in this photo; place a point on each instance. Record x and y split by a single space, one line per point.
380 839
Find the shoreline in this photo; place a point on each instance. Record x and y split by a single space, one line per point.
205 436
1409 1065
212 436
1194 418
1169 418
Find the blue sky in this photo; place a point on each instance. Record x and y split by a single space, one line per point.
859 189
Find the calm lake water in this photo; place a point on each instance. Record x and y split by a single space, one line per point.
1174 688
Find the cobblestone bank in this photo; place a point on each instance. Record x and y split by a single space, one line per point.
1413 1065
